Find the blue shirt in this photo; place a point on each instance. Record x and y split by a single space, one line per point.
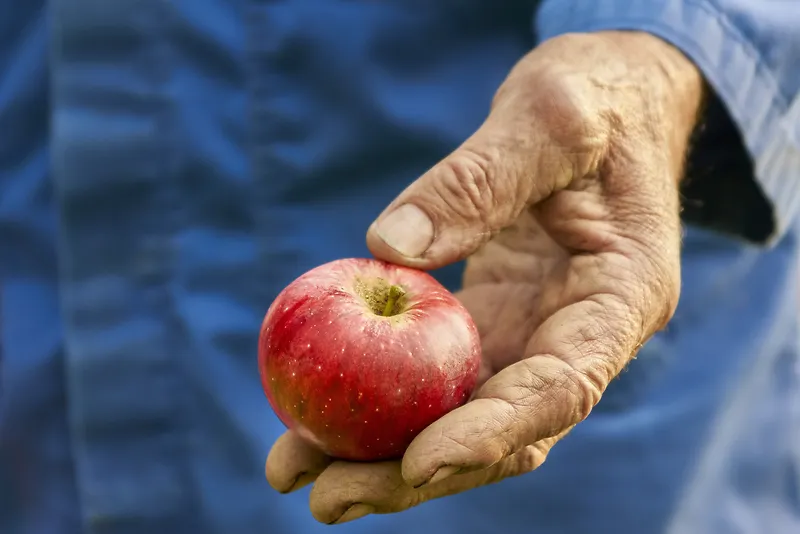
167 167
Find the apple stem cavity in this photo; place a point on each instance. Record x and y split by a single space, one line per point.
395 293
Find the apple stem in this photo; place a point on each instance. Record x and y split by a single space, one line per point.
395 293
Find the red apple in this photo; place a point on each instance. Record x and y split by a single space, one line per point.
358 356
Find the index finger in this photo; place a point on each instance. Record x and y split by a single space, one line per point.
573 357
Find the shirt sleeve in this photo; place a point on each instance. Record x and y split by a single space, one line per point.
749 53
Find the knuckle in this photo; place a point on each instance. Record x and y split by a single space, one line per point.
531 457
469 185
667 289
643 290
570 391
658 292
584 388
602 341
548 384
668 284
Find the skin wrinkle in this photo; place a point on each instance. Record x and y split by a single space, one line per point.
624 339
561 373
468 180
574 178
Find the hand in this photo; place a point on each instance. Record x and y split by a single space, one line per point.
565 203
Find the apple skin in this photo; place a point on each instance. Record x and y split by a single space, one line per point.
357 384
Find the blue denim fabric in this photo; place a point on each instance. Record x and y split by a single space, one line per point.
167 167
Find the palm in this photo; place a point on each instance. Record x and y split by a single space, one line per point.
591 140
529 271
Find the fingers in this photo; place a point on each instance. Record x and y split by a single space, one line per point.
293 463
349 491
464 200
544 130
573 357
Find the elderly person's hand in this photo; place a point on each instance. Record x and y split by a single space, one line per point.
565 204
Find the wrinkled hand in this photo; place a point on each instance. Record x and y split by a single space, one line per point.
565 203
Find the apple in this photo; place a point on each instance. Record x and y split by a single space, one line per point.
358 356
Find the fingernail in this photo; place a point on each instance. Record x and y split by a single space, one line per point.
356 511
443 473
407 229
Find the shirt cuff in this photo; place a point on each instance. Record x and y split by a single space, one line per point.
732 66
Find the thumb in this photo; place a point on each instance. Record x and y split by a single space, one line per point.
465 199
